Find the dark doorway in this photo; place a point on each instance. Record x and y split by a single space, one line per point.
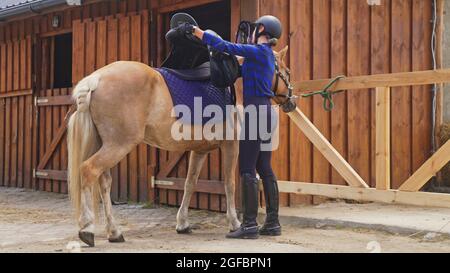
63 61
215 16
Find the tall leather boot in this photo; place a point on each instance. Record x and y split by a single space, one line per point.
272 225
249 227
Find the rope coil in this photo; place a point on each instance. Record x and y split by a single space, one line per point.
328 103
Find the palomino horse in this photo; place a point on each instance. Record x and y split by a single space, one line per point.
118 107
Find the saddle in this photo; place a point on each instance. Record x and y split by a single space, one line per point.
191 60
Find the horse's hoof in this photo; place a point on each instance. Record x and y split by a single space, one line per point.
87 238
119 239
187 230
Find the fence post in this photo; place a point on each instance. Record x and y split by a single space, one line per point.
383 141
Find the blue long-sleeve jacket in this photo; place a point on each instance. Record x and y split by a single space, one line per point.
258 68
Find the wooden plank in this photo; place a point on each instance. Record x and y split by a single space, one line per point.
338 126
401 97
9 67
2 140
321 69
133 175
167 168
91 34
57 175
16 94
3 67
64 153
372 81
56 113
136 38
101 39
23 65
28 141
143 176
7 166
48 141
184 5
203 186
78 51
214 174
358 110
328 151
428 170
54 100
383 138
421 101
301 64
422 199
16 65
20 141
14 141
112 54
145 38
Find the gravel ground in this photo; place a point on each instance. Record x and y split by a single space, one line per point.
42 222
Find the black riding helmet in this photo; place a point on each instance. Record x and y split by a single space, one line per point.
272 26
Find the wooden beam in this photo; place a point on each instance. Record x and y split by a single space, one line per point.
204 186
383 141
54 101
184 5
327 150
168 166
367 195
56 140
249 10
20 93
374 81
428 170
51 174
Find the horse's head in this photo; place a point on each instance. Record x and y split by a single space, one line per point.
282 88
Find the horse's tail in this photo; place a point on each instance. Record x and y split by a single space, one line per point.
82 140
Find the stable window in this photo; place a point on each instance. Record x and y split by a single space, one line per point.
62 61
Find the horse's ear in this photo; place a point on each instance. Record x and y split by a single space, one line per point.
282 54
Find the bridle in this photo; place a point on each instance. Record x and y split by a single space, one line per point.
243 36
286 78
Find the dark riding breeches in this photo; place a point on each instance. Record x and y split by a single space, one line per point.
255 153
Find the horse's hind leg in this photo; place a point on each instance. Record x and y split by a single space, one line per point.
91 170
195 166
114 233
230 151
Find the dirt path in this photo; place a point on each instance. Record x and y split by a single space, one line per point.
41 222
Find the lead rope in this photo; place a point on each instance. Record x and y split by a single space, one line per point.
328 103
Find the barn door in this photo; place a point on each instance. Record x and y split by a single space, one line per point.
16 115
95 44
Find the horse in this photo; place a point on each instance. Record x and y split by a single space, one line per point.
119 107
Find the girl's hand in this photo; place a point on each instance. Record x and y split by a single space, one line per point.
198 33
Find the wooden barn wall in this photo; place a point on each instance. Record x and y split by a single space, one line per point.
339 37
26 132
326 38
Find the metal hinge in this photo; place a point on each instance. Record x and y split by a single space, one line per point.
39 173
39 101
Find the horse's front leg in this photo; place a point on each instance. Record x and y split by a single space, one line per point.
230 151
195 166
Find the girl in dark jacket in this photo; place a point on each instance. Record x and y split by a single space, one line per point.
258 72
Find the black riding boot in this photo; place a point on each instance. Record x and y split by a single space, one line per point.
272 225
249 227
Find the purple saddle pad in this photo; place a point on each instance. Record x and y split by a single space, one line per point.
186 93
